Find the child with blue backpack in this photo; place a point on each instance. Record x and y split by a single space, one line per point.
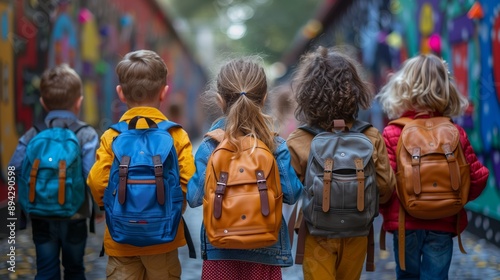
53 159
142 168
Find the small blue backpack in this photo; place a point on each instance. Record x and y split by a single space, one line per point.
51 182
143 200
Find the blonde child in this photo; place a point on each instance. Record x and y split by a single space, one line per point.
423 88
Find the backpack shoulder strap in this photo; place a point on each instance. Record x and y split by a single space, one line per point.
77 125
120 126
360 126
401 121
40 126
313 130
166 125
216 134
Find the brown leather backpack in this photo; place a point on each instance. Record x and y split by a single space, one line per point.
433 176
242 205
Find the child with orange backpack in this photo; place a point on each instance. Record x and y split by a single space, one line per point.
243 175
421 139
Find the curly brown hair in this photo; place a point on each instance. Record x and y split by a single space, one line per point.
327 87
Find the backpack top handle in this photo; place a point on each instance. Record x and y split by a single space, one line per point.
133 122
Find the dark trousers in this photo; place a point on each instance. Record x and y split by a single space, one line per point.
51 237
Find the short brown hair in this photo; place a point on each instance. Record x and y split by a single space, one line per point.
60 87
141 74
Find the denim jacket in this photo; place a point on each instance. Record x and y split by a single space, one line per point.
280 253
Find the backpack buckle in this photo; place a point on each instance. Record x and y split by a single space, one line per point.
158 170
123 170
448 153
415 157
220 187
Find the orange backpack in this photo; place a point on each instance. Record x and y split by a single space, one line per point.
433 176
242 205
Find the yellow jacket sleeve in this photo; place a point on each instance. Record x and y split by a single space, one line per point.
99 173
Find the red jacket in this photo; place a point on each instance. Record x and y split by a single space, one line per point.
390 210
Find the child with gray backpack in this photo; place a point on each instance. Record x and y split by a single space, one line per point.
343 164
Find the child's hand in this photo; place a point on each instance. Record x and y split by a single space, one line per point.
99 217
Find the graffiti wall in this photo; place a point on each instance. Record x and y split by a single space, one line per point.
466 34
91 36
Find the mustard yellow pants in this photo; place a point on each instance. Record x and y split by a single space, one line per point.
151 267
339 258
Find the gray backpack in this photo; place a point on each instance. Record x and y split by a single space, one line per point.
341 197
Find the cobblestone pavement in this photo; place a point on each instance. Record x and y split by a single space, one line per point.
481 262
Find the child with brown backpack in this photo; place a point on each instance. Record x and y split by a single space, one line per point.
343 163
243 176
436 167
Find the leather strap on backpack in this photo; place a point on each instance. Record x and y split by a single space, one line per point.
401 121
401 237
381 240
460 245
415 163
264 199
123 174
360 175
327 179
160 188
33 173
219 193
370 251
301 242
453 165
62 182
217 134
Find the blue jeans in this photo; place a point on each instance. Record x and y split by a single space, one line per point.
427 254
53 236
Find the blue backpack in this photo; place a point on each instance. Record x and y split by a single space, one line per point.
143 200
51 182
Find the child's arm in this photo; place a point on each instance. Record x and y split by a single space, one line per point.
386 181
478 172
184 151
18 157
98 177
196 186
89 148
389 135
290 183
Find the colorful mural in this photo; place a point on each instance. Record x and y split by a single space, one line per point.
91 36
466 34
